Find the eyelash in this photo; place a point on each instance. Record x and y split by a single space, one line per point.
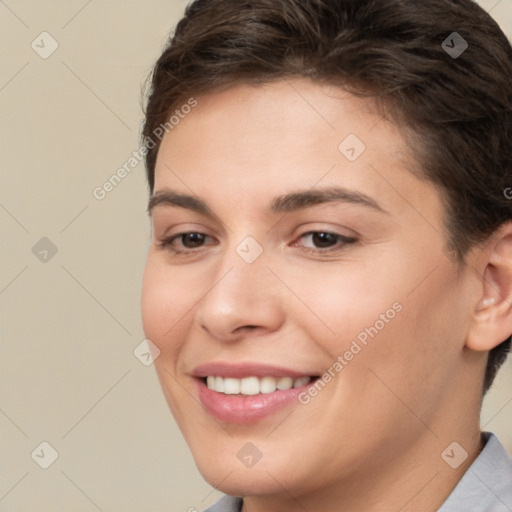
344 240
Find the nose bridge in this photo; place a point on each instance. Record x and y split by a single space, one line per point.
242 266
239 283
241 294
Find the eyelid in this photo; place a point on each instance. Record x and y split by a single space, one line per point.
169 226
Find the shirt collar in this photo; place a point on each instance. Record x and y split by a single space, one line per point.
487 484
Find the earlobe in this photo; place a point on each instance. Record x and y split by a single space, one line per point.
491 323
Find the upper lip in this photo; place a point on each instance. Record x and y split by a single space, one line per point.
241 370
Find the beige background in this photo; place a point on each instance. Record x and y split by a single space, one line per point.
69 325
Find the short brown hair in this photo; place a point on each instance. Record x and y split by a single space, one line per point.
456 110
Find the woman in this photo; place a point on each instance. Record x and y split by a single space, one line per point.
330 276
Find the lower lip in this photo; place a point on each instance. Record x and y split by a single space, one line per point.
243 409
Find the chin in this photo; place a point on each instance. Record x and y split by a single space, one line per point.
225 470
242 482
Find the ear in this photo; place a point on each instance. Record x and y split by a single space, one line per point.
491 323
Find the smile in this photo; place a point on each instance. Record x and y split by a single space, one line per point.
249 392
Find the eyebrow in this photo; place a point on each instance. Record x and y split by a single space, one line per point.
286 203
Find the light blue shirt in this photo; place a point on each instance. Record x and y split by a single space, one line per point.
485 487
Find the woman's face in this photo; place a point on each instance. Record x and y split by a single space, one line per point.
305 248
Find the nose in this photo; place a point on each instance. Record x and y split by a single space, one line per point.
244 298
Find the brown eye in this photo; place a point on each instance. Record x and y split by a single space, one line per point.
184 243
324 241
192 240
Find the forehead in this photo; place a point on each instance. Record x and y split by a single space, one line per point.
292 115
253 142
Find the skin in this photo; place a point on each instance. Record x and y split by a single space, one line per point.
372 439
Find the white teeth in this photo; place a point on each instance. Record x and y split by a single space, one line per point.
284 383
253 385
249 386
231 386
267 385
219 384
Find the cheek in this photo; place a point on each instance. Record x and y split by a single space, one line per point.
167 296
415 354
165 301
382 322
351 304
154 305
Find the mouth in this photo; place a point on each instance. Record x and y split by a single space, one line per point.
243 394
